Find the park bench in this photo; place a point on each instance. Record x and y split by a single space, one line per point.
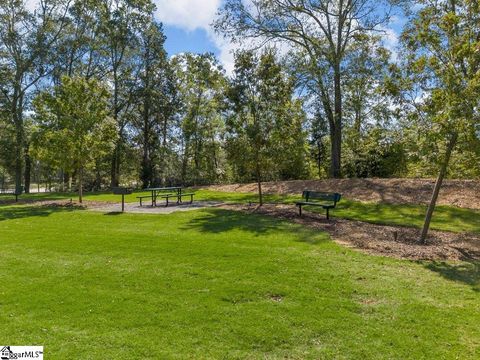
314 198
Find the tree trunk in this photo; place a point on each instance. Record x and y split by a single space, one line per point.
336 149
259 178
147 168
117 163
114 175
114 178
17 114
98 177
80 185
185 154
18 159
62 183
336 131
438 185
28 170
163 154
319 157
146 173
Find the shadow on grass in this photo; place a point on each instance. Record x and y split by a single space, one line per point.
467 272
20 212
218 221
113 213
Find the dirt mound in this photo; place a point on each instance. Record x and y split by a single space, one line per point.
393 241
461 193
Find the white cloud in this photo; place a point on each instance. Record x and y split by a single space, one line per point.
197 14
226 49
390 41
200 14
31 5
187 14
391 34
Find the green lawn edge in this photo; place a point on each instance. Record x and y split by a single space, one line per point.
446 218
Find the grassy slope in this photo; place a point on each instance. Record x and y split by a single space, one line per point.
204 284
447 218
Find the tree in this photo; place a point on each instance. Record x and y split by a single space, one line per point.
322 31
120 21
158 104
81 49
73 126
442 46
201 87
26 43
371 143
265 126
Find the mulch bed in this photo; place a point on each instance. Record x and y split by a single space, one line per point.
460 193
393 241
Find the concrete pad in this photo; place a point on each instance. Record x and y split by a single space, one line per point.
148 209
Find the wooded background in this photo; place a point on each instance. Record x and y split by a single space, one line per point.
89 95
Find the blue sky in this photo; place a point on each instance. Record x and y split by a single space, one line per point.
181 40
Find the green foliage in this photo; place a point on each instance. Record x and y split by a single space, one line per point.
7 144
179 122
158 103
74 128
322 38
377 153
444 63
266 138
201 85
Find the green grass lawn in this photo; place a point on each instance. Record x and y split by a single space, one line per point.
220 284
446 218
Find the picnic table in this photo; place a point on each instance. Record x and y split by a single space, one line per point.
158 192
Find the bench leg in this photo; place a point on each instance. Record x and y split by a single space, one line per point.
328 215
166 201
300 210
140 201
191 199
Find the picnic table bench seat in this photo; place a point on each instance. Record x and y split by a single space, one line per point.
149 197
178 196
324 200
